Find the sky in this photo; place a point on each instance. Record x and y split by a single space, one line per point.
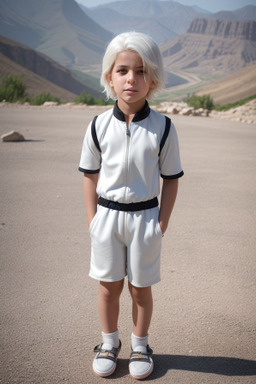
208 5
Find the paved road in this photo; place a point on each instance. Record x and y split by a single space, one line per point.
204 322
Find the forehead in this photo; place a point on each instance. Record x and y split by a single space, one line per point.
128 58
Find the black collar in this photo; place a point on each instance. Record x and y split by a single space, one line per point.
140 115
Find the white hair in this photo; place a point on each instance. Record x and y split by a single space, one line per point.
146 48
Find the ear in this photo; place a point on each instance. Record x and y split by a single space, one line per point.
108 77
152 84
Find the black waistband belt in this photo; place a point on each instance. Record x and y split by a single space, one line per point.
130 207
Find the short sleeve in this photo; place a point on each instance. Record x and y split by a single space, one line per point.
90 160
170 163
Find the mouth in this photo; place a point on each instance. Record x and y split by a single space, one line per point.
130 90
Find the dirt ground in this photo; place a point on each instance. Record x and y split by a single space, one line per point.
204 323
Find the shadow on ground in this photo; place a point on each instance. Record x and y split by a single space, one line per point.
225 366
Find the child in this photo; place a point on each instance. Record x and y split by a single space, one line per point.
125 151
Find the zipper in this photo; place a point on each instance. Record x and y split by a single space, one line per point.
126 164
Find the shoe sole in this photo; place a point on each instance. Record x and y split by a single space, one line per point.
145 376
105 374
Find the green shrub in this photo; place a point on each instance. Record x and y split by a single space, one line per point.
226 107
197 102
42 98
86 98
12 89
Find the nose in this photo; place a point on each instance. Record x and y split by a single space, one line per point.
131 77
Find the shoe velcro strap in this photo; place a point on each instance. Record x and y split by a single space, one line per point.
140 356
110 354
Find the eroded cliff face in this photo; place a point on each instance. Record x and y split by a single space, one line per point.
241 30
42 66
212 48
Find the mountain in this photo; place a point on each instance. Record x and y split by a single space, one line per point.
163 20
59 29
232 88
40 73
246 13
211 48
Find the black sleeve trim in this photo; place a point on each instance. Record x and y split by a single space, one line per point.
166 133
88 170
94 134
173 176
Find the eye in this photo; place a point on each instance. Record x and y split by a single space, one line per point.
122 71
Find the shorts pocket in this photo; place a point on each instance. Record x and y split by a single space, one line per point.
94 220
158 229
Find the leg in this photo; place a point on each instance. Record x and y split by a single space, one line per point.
142 309
141 363
108 305
105 361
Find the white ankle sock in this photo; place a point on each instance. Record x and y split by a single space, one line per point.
139 344
110 340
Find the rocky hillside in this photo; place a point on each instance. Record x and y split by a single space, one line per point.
240 30
211 48
36 68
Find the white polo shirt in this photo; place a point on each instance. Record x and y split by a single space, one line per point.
130 160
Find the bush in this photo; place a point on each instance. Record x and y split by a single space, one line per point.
12 89
42 98
86 98
226 107
197 102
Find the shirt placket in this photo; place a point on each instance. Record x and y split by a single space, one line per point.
126 162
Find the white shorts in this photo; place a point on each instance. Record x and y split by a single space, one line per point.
126 243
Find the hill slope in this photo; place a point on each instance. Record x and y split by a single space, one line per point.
246 13
232 88
34 84
40 73
59 29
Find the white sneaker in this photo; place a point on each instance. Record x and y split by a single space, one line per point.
104 363
141 364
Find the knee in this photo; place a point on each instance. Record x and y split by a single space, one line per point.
140 295
111 291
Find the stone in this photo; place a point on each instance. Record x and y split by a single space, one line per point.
50 104
187 111
12 136
172 110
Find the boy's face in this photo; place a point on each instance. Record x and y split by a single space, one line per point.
129 80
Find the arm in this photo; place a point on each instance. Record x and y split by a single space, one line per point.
90 195
168 197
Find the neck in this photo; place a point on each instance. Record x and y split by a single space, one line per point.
129 110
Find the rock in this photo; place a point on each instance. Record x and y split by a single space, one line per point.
173 110
201 112
12 136
187 111
50 103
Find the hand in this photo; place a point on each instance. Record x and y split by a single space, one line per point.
163 226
